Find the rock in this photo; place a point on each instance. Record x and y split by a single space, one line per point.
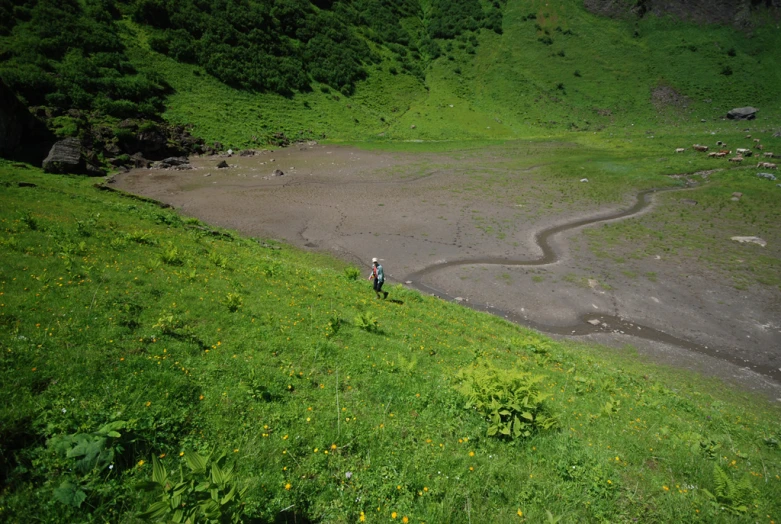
584 179
94 170
230 152
743 113
223 164
777 134
459 299
139 161
128 124
688 202
65 157
277 172
750 240
247 152
412 126
767 176
176 160
737 194
594 322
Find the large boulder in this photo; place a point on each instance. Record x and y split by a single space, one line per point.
65 157
743 113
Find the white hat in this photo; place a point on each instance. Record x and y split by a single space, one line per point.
374 260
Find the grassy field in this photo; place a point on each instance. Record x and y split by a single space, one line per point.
136 342
555 68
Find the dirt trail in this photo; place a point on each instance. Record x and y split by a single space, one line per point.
452 225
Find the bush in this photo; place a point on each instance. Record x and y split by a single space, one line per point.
510 401
352 273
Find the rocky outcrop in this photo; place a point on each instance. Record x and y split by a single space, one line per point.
729 12
22 136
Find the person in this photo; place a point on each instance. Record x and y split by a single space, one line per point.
378 275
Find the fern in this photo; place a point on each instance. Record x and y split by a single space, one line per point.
729 495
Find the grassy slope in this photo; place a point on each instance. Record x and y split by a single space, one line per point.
509 88
103 320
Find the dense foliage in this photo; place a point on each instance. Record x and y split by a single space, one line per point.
71 54
68 54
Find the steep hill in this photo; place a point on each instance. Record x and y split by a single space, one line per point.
245 73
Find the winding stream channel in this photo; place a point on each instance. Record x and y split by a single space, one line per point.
588 323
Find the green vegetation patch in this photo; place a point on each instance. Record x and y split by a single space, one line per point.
142 349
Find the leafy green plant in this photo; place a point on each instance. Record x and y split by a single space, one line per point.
352 273
735 497
510 401
172 256
89 454
30 221
168 323
218 260
205 492
233 302
334 325
142 237
367 322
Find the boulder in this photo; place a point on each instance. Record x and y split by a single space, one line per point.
278 172
176 160
65 157
223 164
743 113
139 161
767 176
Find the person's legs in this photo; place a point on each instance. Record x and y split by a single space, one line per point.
377 287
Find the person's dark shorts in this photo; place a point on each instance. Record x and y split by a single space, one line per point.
378 285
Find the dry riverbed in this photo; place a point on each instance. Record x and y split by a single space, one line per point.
464 226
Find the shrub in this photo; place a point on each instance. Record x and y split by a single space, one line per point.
352 273
367 322
510 401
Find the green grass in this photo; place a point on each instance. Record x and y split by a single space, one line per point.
513 86
114 310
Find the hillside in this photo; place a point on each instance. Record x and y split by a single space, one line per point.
135 343
375 70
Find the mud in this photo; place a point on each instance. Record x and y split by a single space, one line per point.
452 225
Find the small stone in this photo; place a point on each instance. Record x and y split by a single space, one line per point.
222 165
750 240
594 322
584 179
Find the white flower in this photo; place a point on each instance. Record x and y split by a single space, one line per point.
111 466
64 410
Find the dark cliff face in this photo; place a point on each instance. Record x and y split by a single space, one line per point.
22 136
14 120
728 12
